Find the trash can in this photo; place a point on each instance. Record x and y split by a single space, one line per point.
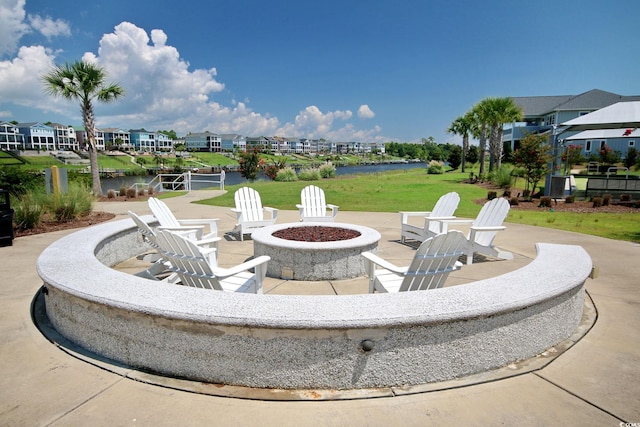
6 219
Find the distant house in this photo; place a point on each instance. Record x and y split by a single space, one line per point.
143 140
83 141
543 114
10 137
65 137
204 141
38 136
233 141
117 137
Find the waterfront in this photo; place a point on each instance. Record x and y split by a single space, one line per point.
234 178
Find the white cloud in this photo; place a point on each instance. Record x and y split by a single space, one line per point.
12 25
161 91
364 112
49 27
20 77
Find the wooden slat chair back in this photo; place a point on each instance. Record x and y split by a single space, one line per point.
198 267
248 202
168 220
490 217
434 260
444 208
250 214
313 206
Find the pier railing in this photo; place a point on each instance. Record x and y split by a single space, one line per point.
181 182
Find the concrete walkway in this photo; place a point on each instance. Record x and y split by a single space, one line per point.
595 382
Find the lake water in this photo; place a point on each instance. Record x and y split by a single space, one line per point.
233 178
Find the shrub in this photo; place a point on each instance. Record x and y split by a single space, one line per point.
76 202
19 181
545 202
131 193
150 190
123 191
435 168
606 199
597 202
28 210
492 195
287 174
502 177
625 197
310 174
111 194
514 201
327 170
570 199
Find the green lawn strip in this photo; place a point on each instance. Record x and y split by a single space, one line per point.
415 190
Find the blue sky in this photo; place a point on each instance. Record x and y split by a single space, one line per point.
341 70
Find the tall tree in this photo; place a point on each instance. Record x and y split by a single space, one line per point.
462 126
84 82
499 112
479 115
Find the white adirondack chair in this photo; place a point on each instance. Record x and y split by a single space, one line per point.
168 221
250 213
313 206
159 264
198 267
444 209
484 228
434 260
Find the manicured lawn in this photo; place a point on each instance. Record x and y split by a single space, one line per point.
415 190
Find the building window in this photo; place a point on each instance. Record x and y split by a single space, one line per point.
632 143
587 147
583 113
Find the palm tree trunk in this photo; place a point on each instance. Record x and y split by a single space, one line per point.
89 127
465 148
482 148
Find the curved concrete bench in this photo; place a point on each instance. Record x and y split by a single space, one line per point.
306 342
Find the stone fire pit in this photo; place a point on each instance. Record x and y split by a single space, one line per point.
304 260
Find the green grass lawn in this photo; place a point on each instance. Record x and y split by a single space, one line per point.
415 190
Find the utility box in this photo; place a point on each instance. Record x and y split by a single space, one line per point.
6 219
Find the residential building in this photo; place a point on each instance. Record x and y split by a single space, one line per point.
38 136
544 114
10 137
232 141
204 141
259 141
592 141
65 137
117 137
83 142
143 140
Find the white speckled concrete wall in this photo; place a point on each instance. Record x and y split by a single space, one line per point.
285 341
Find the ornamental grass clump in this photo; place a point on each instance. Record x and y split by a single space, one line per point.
606 199
327 170
287 174
309 174
28 210
435 168
570 199
76 202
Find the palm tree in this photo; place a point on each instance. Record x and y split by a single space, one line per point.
479 115
500 111
462 126
84 82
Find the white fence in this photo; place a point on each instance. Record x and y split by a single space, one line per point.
181 182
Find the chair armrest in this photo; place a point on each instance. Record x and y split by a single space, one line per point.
404 215
494 228
441 218
382 263
211 222
332 206
274 212
445 223
252 263
182 228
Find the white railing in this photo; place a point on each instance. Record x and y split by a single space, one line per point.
181 182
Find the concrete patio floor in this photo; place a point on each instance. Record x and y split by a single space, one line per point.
595 382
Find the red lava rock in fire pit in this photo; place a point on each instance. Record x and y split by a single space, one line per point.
316 234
